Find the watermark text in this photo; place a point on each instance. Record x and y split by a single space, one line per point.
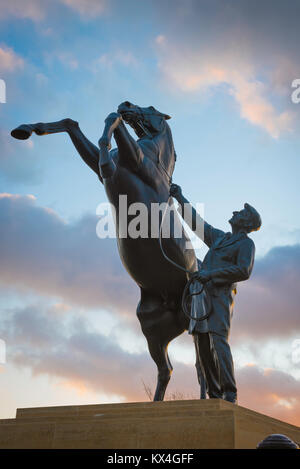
2 352
295 96
2 91
155 220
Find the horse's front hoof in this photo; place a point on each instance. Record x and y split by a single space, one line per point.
22 132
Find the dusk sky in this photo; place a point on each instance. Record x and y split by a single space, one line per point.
223 70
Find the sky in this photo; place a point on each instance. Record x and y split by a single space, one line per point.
223 70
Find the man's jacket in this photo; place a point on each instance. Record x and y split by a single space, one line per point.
229 260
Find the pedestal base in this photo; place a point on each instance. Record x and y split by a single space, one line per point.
196 424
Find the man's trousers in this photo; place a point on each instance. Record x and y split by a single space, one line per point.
228 383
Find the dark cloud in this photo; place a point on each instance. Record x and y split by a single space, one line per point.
69 348
253 29
40 252
267 305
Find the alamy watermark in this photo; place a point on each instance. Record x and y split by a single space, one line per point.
2 352
2 91
296 351
295 96
140 220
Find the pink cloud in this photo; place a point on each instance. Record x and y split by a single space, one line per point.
70 351
32 9
258 110
271 392
9 60
38 10
228 45
200 73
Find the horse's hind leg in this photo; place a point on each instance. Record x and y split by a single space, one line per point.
159 326
159 354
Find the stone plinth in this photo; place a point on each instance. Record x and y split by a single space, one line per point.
196 424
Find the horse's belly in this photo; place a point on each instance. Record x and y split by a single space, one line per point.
145 263
142 257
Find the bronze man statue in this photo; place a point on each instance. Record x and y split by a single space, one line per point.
229 260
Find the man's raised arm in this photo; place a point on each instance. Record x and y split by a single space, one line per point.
193 219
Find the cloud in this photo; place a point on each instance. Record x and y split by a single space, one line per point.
267 305
195 74
38 10
205 47
256 108
9 60
214 45
31 9
271 392
40 252
69 349
67 263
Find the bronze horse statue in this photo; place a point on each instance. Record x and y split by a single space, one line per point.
142 170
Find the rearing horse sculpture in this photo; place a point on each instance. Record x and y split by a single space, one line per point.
142 170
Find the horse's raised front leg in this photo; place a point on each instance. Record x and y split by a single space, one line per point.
106 164
86 149
130 153
24 131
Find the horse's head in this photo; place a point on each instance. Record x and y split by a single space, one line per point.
143 120
147 121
